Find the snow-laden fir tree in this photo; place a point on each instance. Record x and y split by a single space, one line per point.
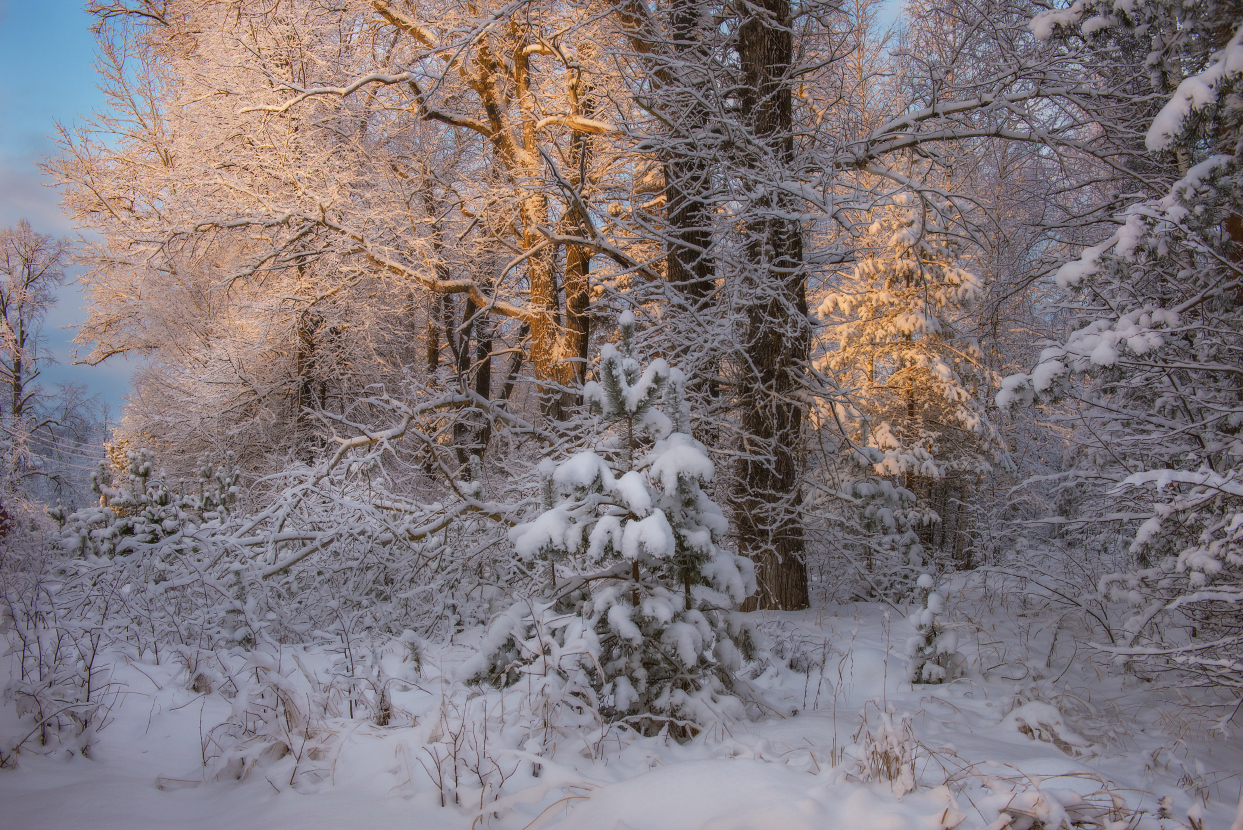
635 615
933 650
895 336
1152 358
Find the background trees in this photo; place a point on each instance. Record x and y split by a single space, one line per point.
32 266
316 218
1149 359
384 190
38 428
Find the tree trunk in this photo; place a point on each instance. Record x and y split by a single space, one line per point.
776 338
578 258
15 404
687 168
547 333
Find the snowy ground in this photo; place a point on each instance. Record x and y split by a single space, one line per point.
1036 735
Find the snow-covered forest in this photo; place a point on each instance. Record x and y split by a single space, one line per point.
645 414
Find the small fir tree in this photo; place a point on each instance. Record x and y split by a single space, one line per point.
137 510
933 650
896 334
636 619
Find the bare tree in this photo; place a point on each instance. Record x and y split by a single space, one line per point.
32 267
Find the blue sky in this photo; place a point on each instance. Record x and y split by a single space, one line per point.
46 58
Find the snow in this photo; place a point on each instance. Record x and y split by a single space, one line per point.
619 621
1105 352
648 537
685 641
734 575
1067 742
1047 372
584 470
659 608
635 395
551 529
1044 24
1072 274
744 794
606 534
1013 389
631 490
1039 720
678 457
1095 24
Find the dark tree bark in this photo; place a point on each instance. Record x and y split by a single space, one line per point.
677 63
687 167
775 339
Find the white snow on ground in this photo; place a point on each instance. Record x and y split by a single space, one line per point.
1037 732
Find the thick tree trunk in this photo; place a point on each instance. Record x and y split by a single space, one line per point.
687 167
775 338
679 69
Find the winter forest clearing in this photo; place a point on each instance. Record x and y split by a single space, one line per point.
636 414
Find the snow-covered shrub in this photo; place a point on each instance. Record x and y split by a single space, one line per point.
1033 802
166 557
279 711
192 571
635 618
1044 722
469 753
56 628
287 709
138 509
358 670
933 650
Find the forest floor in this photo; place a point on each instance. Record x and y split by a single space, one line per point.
1040 732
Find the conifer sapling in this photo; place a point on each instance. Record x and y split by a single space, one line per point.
636 616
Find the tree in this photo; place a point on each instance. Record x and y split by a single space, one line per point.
1150 363
896 337
31 269
636 616
775 336
442 182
